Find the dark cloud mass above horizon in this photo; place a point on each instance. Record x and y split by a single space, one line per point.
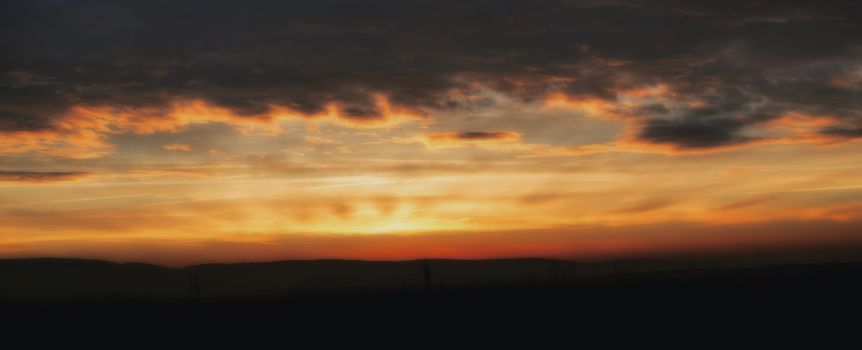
748 63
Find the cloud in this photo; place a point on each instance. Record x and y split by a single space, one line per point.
455 139
320 140
694 132
668 239
727 67
475 136
645 207
84 132
843 132
40 176
177 147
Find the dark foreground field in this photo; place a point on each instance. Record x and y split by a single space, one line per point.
527 303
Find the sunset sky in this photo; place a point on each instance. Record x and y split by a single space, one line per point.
177 132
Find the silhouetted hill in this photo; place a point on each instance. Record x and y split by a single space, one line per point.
522 302
52 278
22 279
342 275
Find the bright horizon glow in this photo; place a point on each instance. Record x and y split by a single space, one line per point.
336 129
196 197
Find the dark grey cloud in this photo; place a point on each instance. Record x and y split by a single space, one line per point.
39 176
749 61
472 136
483 135
720 122
694 132
847 132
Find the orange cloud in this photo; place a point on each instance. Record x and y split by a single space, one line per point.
456 139
63 141
177 147
790 128
634 145
590 105
387 114
321 140
628 100
83 132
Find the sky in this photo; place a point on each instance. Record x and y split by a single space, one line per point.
190 131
